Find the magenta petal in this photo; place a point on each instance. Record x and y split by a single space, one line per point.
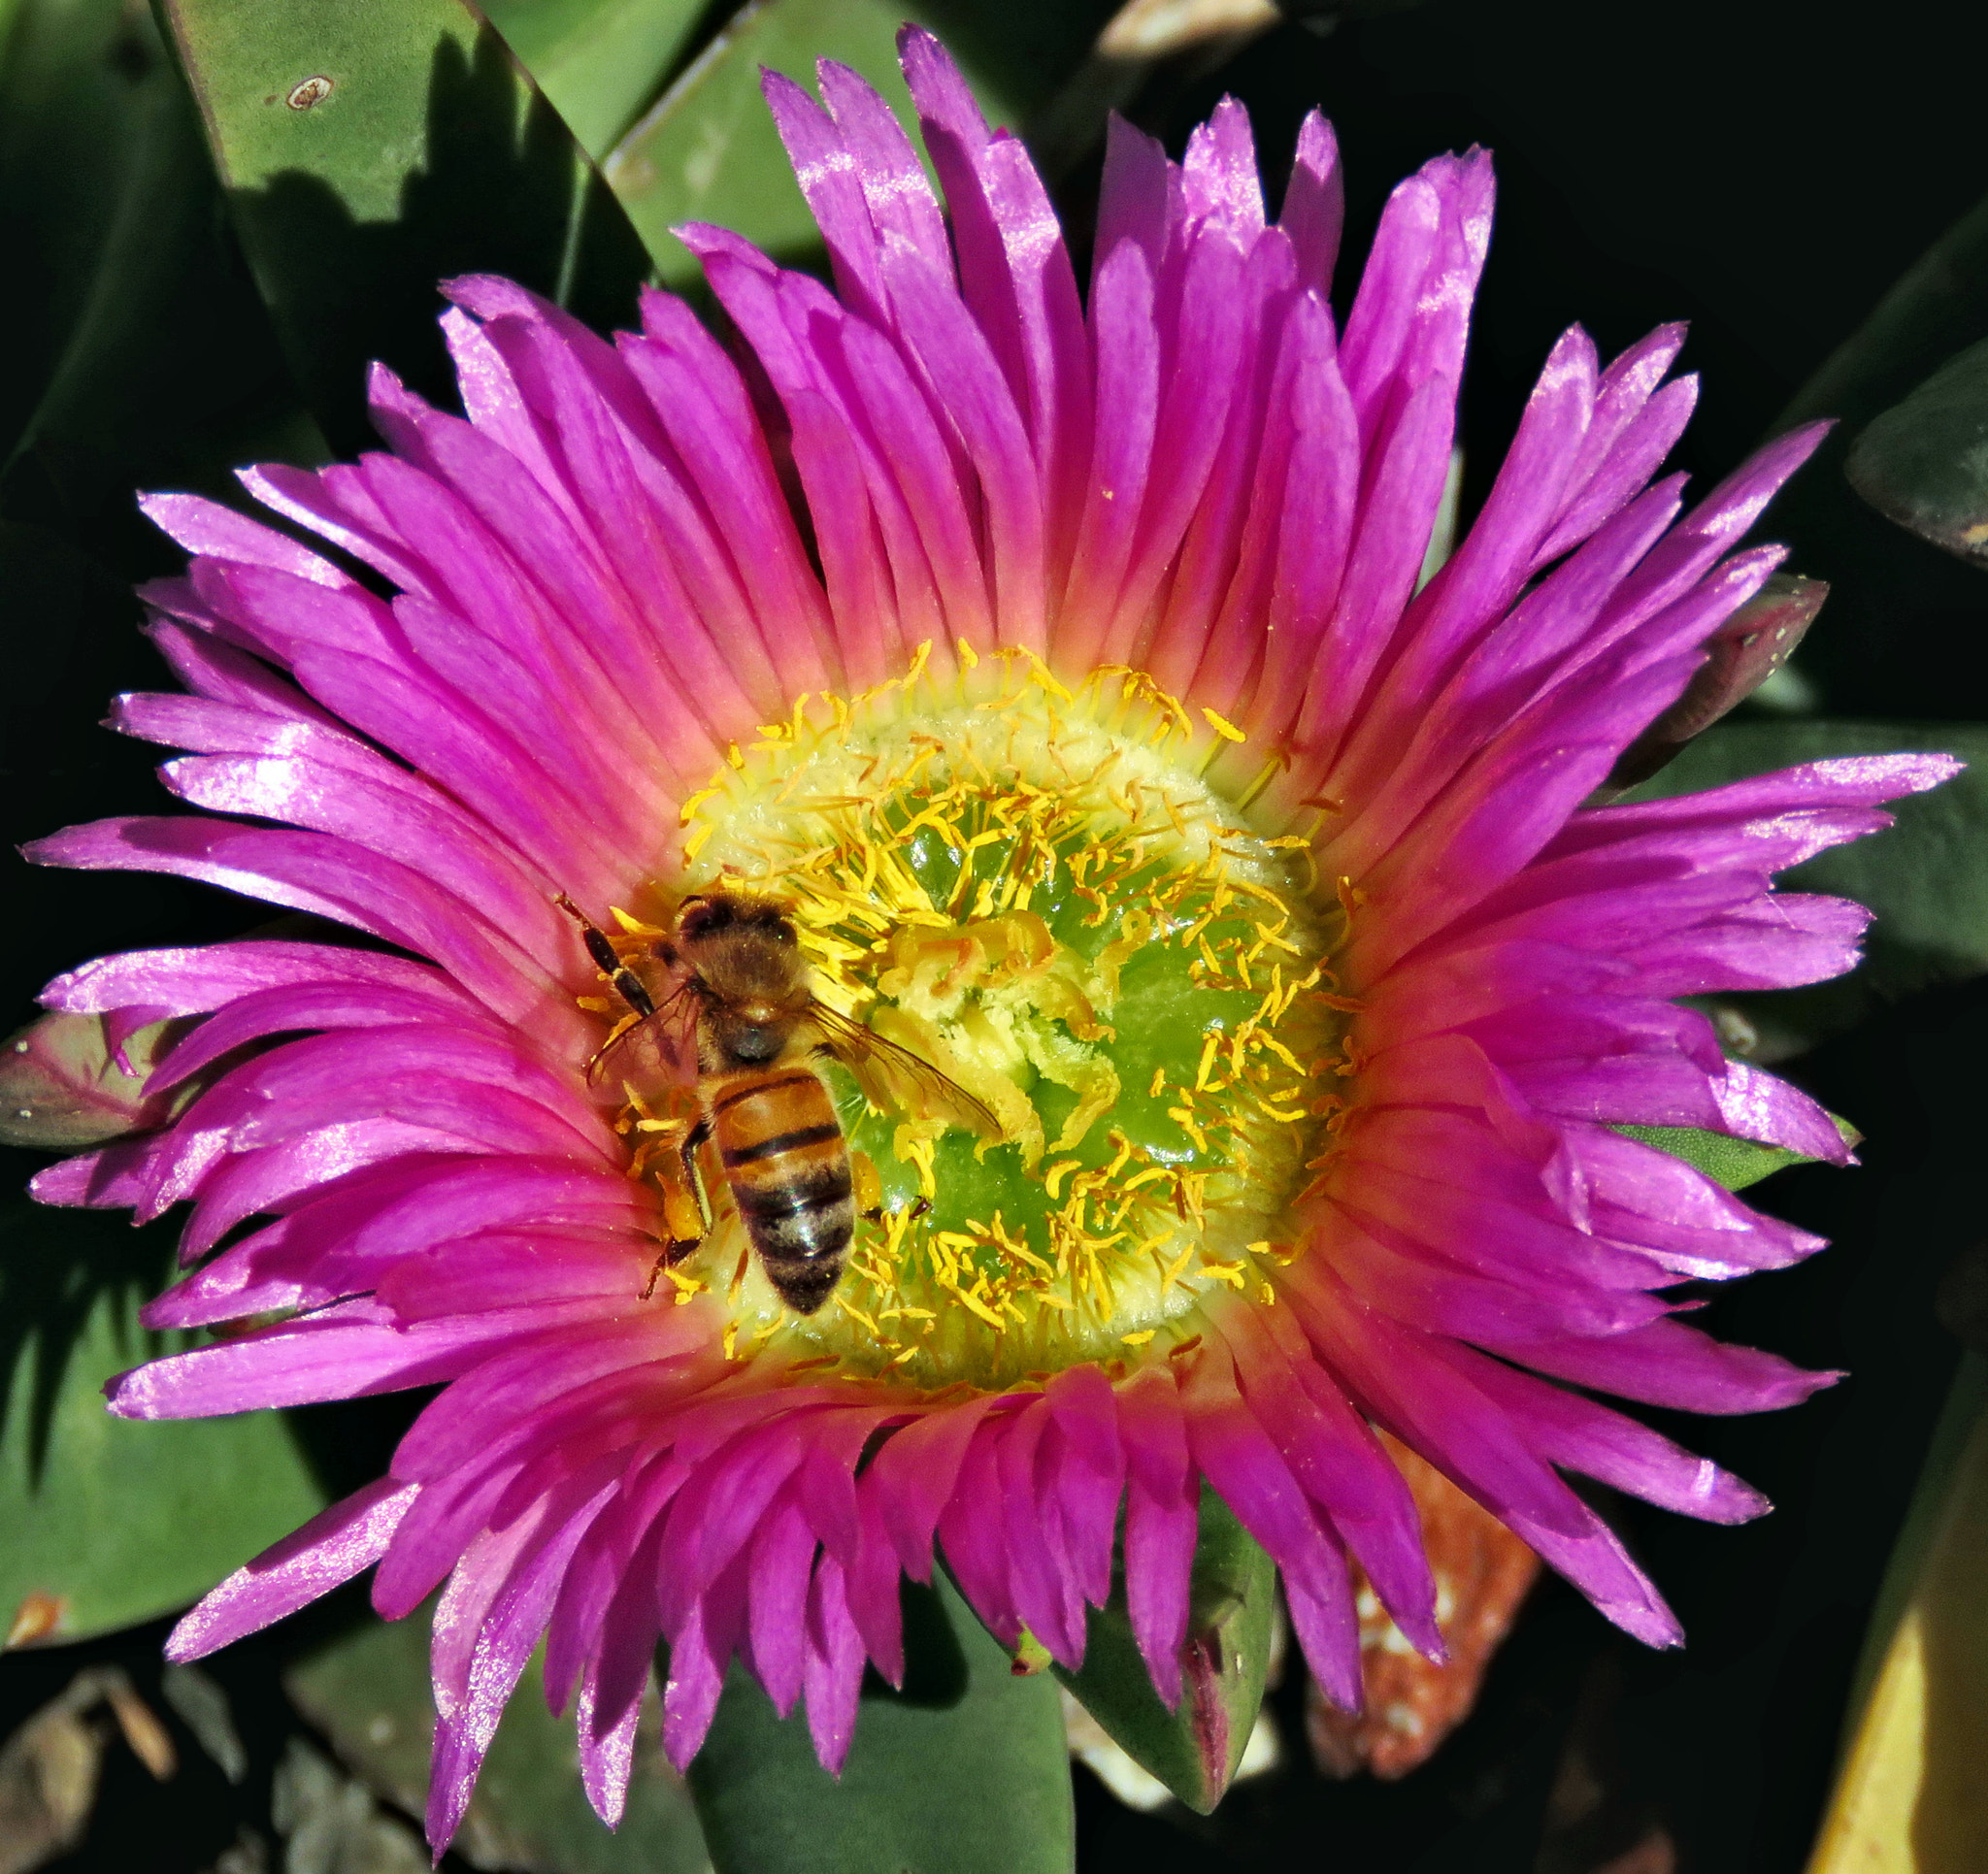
498 1634
1218 175
1339 1464
690 1693
1328 1635
203 526
1668 1364
1015 271
629 1632
334 1546
873 1586
829 179
1239 1460
1092 1463
606 1759
317 872
1396 1375
1135 198
324 1359
938 331
1484 574
1314 206
975 1535
1126 413
899 198
718 1513
833 1672
1391 287
1027 1525
1581 1435
914 1474
1161 1509
781 1567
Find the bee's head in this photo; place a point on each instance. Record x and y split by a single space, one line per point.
743 956
712 914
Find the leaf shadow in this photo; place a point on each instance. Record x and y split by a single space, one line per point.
498 191
57 1267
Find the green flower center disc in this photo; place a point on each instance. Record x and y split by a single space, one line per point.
1039 896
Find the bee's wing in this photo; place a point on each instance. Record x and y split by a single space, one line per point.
873 1061
676 1012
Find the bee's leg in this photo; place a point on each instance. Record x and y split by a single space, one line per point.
693 1175
869 1190
869 1187
686 1210
627 985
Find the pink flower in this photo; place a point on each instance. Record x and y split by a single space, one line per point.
1060 664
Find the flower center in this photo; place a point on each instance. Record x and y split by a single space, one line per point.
1040 896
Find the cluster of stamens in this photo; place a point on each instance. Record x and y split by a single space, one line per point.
1039 893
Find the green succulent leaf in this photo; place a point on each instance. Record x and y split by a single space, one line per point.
1924 462
1735 1162
1936 305
599 61
82 86
1195 1749
106 1522
707 151
142 356
962 1772
1924 878
369 150
368 1692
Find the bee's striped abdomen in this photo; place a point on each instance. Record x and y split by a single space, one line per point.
788 1167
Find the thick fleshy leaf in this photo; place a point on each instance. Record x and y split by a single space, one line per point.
1908 1795
1923 879
369 151
1931 311
962 1772
368 1692
105 1521
709 152
1924 462
599 61
74 118
1196 1748
136 351
1735 1162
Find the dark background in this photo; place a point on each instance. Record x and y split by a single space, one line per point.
1766 171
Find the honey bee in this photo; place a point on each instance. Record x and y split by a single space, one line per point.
759 1029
